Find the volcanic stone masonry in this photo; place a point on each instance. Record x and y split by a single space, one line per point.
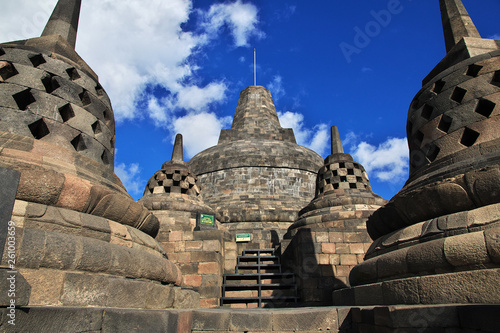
88 258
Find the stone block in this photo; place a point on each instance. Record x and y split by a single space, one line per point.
348 259
466 249
207 320
14 287
159 296
251 321
208 268
492 238
60 251
392 263
336 237
46 285
370 294
424 317
88 290
476 286
186 299
140 321
427 257
193 280
328 248
55 319
402 291
307 319
32 248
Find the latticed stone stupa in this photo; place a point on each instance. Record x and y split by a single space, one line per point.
436 241
80 237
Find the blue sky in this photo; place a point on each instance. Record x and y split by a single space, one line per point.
174 66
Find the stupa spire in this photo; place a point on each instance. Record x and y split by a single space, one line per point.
64 21
336 142
177 153
457 23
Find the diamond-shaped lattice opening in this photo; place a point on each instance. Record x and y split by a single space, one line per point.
473 70
496 79
73 73
177 183
335 173
469 137
99 90
50 83
335 186
458 94
24 99
112 142
78 143
85 98
66 112
96 127
37 60
39 129
167 189
343 179
350 172
432 152
7 70
341 165
352 185
438 86
2 52
105 158
427 111
445 123
359 179
485 107
184 190
107 116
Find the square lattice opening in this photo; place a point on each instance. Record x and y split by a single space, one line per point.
458 94
485 107
469 137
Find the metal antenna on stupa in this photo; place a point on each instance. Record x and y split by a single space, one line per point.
457 23
177 152
254 67
64 21
336 142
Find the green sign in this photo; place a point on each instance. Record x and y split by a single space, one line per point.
206 219
243 237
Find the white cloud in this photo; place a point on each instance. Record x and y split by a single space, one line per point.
495 36
387 163
276 87
130 177
196 98
241 18
316 139
199 131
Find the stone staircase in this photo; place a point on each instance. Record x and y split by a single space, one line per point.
259 282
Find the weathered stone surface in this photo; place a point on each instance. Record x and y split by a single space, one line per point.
123 320
461 287
401 291
492 238
467 249
251 321
306 319
14 287
185 299
213 320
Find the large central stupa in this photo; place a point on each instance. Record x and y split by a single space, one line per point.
257 172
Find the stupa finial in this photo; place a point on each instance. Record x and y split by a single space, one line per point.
177 153
64 21
336 142
457 23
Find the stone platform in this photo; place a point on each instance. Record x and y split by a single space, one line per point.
408 319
